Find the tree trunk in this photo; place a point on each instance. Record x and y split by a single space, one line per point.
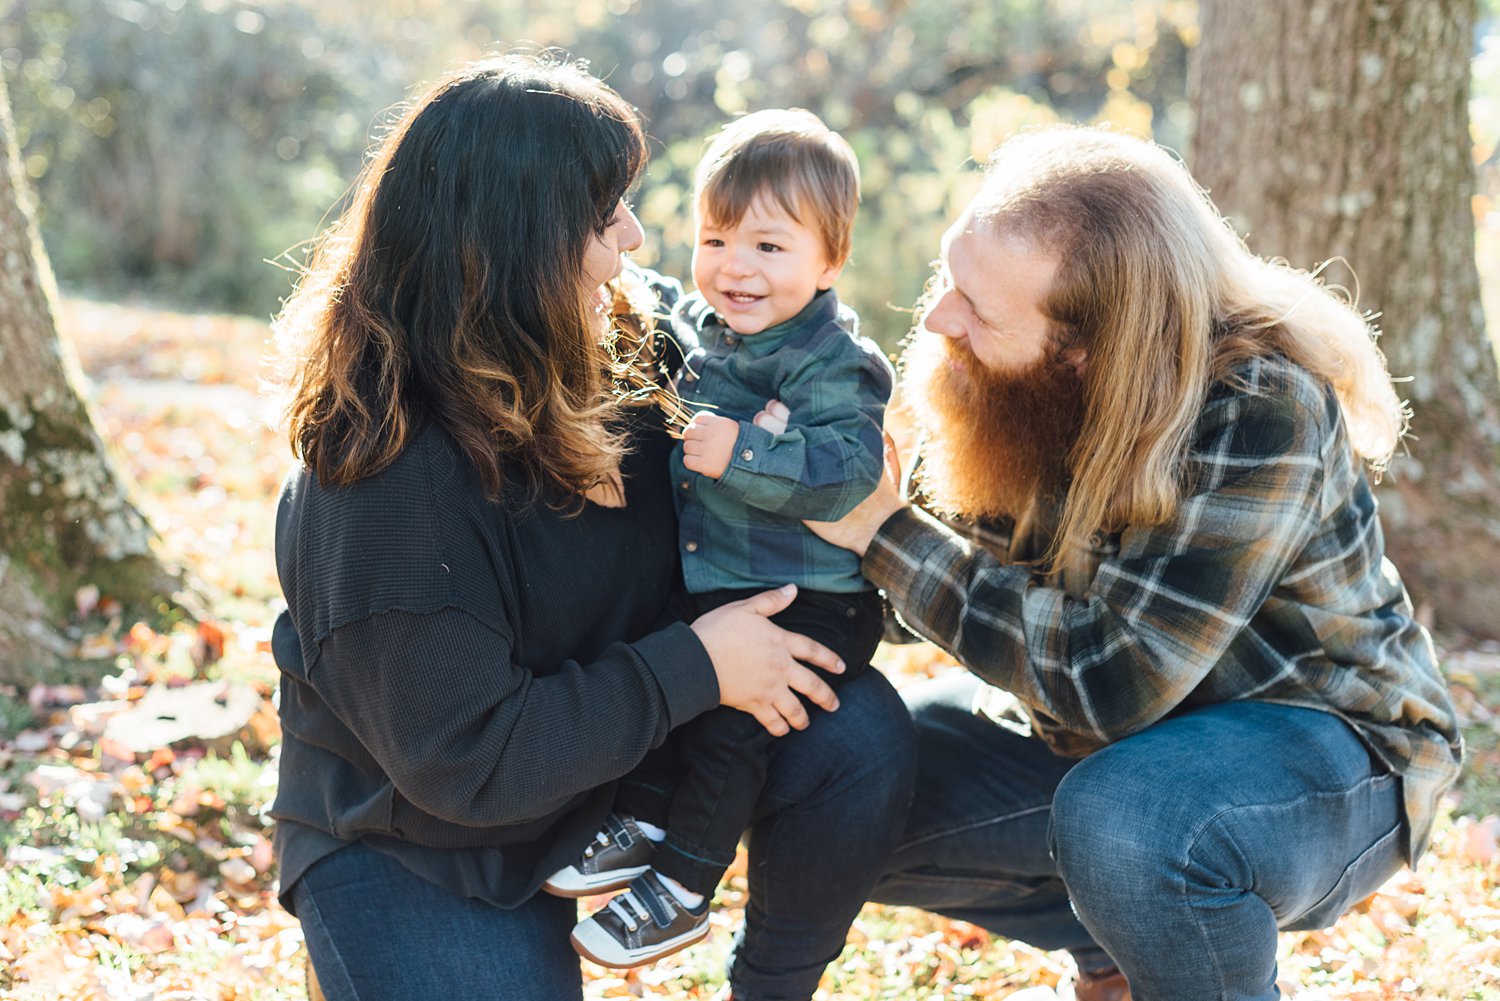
1340 129
65 518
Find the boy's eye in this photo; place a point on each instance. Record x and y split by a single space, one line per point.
768 248
713 241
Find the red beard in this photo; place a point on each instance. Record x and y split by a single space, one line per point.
995 440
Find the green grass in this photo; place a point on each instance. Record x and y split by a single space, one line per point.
240 780
1478 788
15 713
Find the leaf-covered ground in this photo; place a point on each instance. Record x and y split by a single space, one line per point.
145 873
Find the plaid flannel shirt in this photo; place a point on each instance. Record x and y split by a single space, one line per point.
745 529
1269 583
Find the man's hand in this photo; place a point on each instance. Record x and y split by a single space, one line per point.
708 443
856 529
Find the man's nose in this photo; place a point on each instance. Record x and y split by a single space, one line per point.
942 317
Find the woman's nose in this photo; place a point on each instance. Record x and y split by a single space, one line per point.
633 236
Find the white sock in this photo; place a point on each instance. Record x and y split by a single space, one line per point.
685 896
651 831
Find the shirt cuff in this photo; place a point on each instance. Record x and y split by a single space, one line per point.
683 671
752 474
910 552
748 458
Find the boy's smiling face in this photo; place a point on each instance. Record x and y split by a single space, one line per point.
761 271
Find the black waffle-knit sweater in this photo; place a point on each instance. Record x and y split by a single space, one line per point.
463 680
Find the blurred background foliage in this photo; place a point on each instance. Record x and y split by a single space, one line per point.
179 146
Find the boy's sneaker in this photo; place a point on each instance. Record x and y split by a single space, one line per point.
641 925
618 854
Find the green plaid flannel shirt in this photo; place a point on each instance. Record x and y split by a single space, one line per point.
745 529
1269 583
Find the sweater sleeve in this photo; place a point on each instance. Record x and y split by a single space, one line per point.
471 738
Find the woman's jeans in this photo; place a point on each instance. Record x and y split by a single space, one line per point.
1176 853
374 930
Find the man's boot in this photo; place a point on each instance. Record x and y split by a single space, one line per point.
1107 984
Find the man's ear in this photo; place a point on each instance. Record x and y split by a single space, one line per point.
1078 358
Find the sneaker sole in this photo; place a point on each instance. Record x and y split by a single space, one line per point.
615 879
640 957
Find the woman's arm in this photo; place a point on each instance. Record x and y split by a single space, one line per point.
470 737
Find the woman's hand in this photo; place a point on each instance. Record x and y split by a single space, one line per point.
757 661
856 529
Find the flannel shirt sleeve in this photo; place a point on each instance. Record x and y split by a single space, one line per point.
1159 614
832 453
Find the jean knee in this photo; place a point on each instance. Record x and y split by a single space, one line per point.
884 739
878 734
1107 818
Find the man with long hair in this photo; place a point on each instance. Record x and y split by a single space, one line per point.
1198 707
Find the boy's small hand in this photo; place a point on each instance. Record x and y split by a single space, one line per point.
773 418
708 443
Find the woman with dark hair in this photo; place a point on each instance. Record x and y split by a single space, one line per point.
477 551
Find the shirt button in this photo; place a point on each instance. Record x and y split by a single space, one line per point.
728 338
691 547
747 454
686 484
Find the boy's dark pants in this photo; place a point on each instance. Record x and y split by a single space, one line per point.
703 783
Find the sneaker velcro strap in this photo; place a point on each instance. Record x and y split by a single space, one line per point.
657 898
618 832
630 910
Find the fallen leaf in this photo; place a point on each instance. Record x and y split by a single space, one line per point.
86 599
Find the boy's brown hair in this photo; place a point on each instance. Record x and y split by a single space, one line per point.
788 154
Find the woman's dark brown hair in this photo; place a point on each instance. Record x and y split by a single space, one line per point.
452 289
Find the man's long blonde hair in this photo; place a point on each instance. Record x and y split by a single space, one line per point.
1166 300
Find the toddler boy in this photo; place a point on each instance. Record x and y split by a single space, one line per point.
792 402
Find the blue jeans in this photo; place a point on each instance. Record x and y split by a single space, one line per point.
376 931
829 816
1176 853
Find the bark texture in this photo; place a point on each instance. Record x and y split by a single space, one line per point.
65 516
1340 129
